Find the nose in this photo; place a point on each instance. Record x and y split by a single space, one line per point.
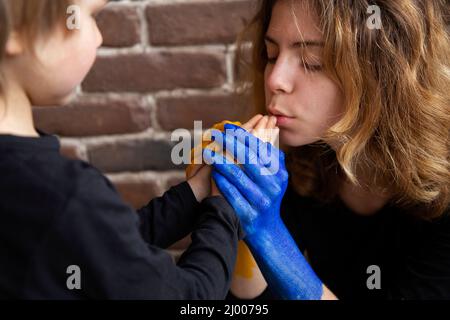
280 76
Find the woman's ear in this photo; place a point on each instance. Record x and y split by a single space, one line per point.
14 45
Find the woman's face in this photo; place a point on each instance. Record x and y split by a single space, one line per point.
305 100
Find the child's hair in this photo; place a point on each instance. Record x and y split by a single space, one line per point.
396 84
4 32
30 18
4 28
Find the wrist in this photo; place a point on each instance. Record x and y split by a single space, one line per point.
266 231
283 265
198 188
214 190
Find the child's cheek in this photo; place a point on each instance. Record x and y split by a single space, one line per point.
78 61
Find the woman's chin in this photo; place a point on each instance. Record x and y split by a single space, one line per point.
291 139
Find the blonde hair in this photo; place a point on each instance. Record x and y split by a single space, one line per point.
4 32
396 84
30 18
37 17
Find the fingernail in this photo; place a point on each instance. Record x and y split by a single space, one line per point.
230 126
233 127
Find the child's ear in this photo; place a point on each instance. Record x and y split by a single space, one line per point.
14 45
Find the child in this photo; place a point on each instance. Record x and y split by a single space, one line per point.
363 113
65 233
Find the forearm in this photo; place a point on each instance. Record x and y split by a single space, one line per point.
171 217
284 267
255 191
212 254
248 281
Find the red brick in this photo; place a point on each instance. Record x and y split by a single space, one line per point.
139 72
133 155
173 112
119 25
136 189
89 116
197 22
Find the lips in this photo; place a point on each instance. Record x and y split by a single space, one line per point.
282 118
276 113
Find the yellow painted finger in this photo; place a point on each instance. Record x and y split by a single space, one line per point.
196 152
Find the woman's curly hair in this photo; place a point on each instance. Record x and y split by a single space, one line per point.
396 86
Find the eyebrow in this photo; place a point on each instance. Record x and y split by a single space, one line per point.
297 44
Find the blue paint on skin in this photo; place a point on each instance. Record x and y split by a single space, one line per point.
256 198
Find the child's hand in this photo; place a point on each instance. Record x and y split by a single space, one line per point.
200 182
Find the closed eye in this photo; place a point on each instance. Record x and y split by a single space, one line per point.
272 60
303 64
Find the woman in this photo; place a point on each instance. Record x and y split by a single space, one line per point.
364 119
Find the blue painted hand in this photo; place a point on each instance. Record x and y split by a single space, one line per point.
255 191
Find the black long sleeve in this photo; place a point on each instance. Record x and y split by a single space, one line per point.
100 234
171 217
58 213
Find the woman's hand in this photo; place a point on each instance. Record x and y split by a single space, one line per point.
248 281
256 190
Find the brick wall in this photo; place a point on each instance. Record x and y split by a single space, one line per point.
163 65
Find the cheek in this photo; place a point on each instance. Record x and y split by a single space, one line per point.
326 104
60 65
80 57
318 106
335 104
267 92
71 65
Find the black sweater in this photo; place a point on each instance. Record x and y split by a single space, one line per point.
58 213
413 255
